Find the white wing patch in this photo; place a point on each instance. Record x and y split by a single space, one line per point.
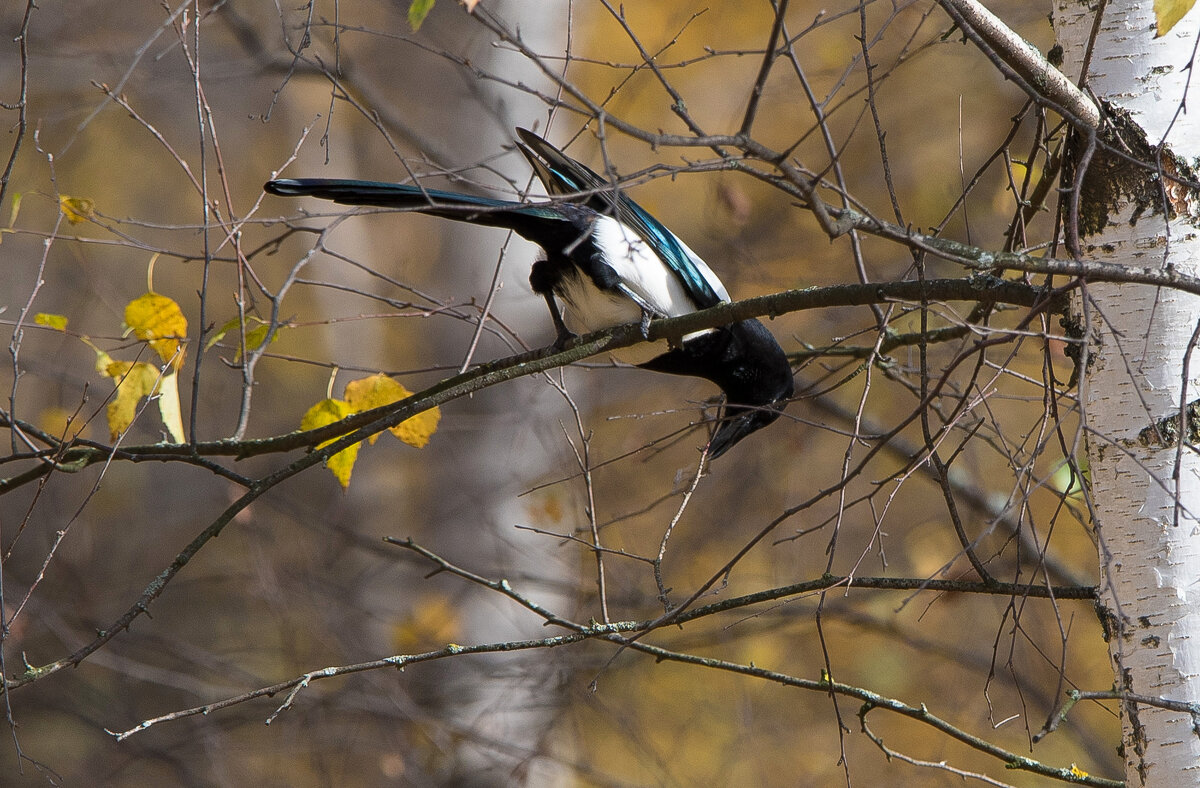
642 271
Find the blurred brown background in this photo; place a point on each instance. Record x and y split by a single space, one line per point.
302 579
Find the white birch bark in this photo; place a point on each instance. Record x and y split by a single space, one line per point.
1147 524
508 704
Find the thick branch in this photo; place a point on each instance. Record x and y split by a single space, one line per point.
1024 59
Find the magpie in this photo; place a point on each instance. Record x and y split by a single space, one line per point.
610 262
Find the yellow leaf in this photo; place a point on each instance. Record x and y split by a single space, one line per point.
373 392
378 390
57 322
325 412
328 411
1078 773
1168 12
158 320
367 393
76 209
419 429
134 381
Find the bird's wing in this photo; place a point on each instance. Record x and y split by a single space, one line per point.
563 176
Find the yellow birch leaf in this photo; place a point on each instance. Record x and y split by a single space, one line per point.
168 406
57 322
367 393
134 381
158 320
378 390
1168 12
327 411
76 209
372 392
419 429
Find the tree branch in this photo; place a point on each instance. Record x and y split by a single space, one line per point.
1036 76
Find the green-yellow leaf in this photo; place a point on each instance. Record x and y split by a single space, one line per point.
12 215
76 209
134 381
57 322
220 333
254 336
158 320
1166 13
1068 481
325 412
417 11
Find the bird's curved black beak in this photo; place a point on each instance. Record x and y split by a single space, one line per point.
737 423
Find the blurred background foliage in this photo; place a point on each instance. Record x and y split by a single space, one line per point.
302 579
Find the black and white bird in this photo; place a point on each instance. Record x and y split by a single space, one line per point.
610 263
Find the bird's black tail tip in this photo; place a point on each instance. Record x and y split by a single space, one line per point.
284 187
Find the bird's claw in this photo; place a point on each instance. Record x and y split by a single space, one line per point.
647 316
564 337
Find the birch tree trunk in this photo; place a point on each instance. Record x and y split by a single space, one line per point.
1139 369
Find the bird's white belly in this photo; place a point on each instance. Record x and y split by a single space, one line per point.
588 308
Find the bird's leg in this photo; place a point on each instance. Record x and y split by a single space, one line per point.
648 312
564 334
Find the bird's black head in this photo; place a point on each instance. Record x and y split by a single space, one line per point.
747 363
